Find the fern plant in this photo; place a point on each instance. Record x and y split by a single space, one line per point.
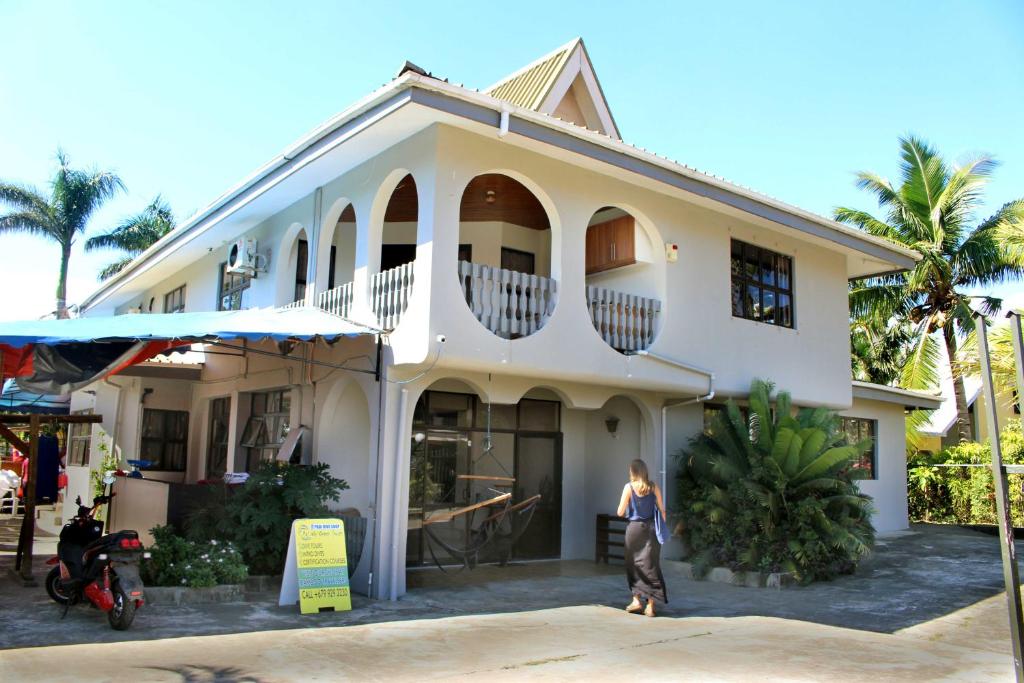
775 491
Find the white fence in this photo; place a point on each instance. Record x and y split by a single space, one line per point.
337 301
389 294
625 321
508 303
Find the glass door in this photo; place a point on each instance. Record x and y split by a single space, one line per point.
539 471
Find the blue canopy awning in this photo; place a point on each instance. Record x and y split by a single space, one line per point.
279 324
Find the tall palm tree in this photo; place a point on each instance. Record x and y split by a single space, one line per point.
134 235
75 194
933 210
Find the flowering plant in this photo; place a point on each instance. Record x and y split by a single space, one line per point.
176 561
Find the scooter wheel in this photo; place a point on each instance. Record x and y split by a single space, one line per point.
54 588
122 614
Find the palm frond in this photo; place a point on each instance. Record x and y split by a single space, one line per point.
30 221
921 371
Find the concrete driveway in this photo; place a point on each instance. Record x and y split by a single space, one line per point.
926 605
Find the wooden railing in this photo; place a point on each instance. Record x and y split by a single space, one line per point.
337 301
389 294
625 321
508 303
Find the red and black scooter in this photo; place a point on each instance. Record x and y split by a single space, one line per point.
104 570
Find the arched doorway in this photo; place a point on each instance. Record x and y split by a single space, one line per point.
336 271
505 256
391 286
466 452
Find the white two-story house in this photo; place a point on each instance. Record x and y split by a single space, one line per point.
548 303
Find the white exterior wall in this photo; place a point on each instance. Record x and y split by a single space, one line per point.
889 489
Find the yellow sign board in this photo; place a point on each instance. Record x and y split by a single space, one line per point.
322 565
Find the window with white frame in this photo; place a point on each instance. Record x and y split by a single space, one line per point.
164 439
230 289
79 441
268 426
174 301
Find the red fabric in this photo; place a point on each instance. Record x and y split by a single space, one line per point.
153 348
15 362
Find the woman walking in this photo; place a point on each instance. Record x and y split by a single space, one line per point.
641 503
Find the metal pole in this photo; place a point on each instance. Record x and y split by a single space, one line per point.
1018 356
1010 577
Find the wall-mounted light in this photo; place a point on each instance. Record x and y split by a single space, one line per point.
418 437
612 423
490 196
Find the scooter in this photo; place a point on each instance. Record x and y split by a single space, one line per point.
101 569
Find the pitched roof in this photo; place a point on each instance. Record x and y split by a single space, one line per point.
529 86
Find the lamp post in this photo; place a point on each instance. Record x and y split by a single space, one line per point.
999 471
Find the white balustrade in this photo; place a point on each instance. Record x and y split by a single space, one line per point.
389 294
625 321
337 301
295 304
508 303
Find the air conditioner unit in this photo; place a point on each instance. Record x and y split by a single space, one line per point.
242 257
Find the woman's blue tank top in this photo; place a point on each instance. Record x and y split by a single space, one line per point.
641 508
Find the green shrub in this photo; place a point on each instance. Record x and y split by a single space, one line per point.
965 495
774 492
177 561
257 517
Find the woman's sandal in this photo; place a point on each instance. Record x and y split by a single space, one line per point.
649 610
634 607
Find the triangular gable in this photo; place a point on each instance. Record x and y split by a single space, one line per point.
562 84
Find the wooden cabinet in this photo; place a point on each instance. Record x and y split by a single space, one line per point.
611 244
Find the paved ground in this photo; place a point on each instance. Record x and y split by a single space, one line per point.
926 605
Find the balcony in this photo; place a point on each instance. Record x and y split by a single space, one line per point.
626 322
508 303
389 294
337 301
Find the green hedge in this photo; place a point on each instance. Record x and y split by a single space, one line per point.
964 495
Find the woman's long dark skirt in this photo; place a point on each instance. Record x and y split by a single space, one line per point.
643 562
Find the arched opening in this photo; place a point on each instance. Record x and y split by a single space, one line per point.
391 286
624 279
293 268
337 263
613 437
504 258
466 452
343 443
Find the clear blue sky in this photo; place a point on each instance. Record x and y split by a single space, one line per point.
185 98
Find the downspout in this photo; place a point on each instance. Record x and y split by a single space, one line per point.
117 415
665 408
396 504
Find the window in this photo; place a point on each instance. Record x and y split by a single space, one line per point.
231 287
165 439
268 425
301 264
217 450
762 285
79 441
174 301
857 429
519 261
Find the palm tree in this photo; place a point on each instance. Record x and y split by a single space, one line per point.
134 235
932 210
1001 356
75 194
878 354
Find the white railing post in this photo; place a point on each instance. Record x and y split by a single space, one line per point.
337 301
389 294
508 303
626 322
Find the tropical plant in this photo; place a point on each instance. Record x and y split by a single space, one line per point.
176 561
878 353
134 235
75 195
258 516
1001 356
965 495
774 492
933 211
